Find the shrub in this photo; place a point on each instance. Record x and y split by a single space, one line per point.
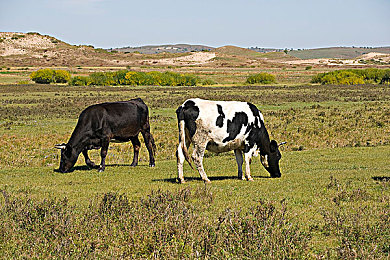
61 76
102 78
262 78
125 77
349 78
352 76
119 77
386 78
188 80
47 76
43 76
80 81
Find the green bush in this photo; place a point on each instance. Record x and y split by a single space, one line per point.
262 78
80 81
47 76
352 76
119 77
125 77
43 76
61 76
385 78
102 78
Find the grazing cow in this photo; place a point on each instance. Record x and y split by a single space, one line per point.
222 126
101 123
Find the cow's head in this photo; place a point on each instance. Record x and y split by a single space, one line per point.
271 161
68 157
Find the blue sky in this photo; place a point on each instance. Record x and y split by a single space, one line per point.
244 23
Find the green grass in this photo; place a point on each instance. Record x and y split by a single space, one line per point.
334 189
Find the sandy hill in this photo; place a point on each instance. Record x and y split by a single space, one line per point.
33 49
170 48
337 52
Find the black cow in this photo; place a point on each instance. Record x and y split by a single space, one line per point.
101 123
221 126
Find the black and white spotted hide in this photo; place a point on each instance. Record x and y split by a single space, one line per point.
222 126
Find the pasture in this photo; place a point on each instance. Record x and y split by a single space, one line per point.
332 201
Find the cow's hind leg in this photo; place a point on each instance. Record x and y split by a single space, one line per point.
197 157
150 145
87 160
180 160
239 160
103 153
136 146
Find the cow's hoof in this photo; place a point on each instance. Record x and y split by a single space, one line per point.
207 181
152 165
250 179
101 170
181 181
133 165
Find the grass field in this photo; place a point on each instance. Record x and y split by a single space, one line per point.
332 201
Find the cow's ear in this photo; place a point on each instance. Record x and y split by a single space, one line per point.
60 146
273 146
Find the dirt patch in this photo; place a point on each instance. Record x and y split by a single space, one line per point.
196 58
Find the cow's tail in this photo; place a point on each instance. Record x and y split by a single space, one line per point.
182 135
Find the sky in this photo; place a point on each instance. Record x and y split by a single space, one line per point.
298 24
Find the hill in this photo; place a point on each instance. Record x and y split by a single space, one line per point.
337 52
34 49
170 48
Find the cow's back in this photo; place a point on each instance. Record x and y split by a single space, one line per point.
119 120
225 121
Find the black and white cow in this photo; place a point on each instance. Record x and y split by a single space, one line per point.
222 126
100 124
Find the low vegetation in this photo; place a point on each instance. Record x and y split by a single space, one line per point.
47 76
353 77
261 78
161 225
332 200
122 77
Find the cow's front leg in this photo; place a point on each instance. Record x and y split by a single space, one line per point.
87 160
136 146
149 141
197 157
239 160
248 157
103 153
